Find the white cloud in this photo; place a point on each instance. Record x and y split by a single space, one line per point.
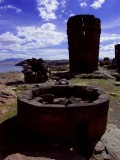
108 42
43 36
9 41
49 54
1 1
32 38
53 53
7 38
107 50
71 14
18 10
97 4
65 21
33 41
83 4
109 37
63 3
48 26
47 9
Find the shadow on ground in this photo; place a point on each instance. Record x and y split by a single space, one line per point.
14 83
68 75
15 140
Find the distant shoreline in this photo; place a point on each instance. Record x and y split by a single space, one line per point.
10 68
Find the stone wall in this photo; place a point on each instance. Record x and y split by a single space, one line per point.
83 40
43 112
35 71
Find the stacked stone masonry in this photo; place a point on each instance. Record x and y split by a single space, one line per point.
83 43
64 114
35 71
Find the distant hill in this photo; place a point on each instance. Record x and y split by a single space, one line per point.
50 62
12 61
58 62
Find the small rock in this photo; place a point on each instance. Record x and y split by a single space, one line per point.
73 100
113 94
63 101
38 99
111 140
62 82
99 148
117 83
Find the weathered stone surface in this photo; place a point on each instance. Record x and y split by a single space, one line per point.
47 155
68 122
111 140
38 99
35 71
99 148
83 39
73 100
61 101
49 98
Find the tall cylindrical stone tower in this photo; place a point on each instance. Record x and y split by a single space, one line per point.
117 57
83 43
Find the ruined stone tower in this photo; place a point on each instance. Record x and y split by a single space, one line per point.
117 57
83 40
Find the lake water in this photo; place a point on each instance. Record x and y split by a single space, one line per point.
10 68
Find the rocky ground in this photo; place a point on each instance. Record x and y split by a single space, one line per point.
108 148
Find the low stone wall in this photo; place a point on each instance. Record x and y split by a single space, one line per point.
80 118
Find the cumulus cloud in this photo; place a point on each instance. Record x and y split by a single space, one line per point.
32 38
47 9
43 36
97 4
9 41
53 53
33 41
107 50
83 4
18 10
108 42
109 37
9 37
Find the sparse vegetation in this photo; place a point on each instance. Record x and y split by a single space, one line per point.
111 89
7 111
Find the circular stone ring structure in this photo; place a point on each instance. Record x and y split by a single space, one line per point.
66 114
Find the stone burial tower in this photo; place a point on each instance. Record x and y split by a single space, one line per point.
117 57
83 43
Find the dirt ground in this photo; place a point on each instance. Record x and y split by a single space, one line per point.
10 85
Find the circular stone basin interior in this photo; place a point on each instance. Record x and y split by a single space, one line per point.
66 95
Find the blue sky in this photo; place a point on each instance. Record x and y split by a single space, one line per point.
37 28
